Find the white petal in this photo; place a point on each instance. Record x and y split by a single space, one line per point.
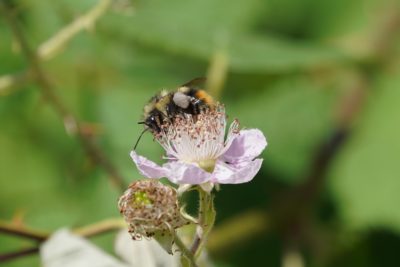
143 252
235 173
147 167
246 146
65 249
186 173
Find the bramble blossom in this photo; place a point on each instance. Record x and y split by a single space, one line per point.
198 152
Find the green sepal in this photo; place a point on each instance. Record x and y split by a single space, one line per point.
165 239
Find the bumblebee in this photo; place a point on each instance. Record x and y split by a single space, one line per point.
165 106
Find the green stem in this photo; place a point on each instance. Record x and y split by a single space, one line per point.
206 222
187 258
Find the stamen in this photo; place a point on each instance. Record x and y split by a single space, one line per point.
196 138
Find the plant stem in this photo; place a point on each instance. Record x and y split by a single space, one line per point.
17 254
206 222
21 231
186 253
100 227
58 41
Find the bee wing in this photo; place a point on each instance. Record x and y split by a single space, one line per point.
195 83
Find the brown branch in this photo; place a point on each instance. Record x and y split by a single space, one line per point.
71 123
13 229
95 229
17 254
85 231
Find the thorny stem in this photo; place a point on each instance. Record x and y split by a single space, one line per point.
72 125
206 222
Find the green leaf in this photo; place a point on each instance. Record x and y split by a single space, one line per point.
165 239
174 30
294 115
366 176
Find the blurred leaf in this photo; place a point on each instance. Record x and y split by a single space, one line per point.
268 54
366 175
173 29
361 28
294 115
10 61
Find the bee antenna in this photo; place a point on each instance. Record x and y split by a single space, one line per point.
140 136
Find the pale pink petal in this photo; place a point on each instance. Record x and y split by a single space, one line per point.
147 167
246 146
243 172
186 173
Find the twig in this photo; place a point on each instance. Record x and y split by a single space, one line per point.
100 227
17 254
39 236
87 21
57 42
85 231
71 123
12 229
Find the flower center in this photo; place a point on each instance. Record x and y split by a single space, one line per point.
141 199
208 165
197 138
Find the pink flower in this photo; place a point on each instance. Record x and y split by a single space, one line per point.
198 152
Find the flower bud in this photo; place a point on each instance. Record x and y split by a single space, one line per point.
149 206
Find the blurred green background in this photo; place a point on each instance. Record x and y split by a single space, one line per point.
319 78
